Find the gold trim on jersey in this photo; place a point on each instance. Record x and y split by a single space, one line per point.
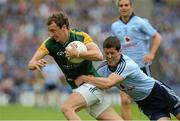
87 38
43 46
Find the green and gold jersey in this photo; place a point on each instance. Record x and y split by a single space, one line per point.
70 70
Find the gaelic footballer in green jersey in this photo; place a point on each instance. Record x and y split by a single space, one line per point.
71 70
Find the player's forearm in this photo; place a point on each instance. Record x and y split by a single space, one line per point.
37 61
155 44
31 66
93 52
91 55
100 82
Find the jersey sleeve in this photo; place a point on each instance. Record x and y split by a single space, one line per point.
112 30
100 72
87 38
147 28
126 68
43 46
102 69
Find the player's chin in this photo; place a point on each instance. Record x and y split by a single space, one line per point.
110 63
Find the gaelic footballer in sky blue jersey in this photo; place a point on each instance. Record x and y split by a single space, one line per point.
139 39
155 99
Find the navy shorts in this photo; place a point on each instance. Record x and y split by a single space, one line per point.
50 87
160 103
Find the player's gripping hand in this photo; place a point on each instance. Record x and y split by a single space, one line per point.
79 81
83 79
71 52
40 64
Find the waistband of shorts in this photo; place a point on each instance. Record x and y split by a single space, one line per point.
156 85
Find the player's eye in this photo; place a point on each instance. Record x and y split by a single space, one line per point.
126 5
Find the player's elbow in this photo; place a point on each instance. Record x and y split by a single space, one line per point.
158 37
99 57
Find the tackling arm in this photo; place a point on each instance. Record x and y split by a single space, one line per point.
101 82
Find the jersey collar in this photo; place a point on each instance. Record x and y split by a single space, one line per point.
129 18
113 68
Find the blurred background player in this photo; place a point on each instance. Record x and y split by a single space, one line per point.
52 75
37 85
139 40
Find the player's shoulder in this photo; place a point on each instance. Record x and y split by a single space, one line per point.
129 62
103 65
116 22
140 19
78 35
78 32
49 41
127 59
75 30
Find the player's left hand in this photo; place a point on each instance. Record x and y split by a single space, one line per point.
149 58
71 52
82 79
79 81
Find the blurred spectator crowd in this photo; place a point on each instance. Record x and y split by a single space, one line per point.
23 28
167 21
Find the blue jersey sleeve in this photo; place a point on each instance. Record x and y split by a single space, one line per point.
103 69
126 67
147 28
112 31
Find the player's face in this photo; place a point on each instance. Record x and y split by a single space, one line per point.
125 8
59 34
112 56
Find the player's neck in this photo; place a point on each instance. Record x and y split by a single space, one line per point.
127 18
112 68
66 38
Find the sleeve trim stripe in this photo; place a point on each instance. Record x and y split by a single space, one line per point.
121 67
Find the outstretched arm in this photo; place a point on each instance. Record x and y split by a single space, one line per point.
37 61
101 82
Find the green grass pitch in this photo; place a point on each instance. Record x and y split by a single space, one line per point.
17 112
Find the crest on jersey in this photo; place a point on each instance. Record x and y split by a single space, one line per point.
127 39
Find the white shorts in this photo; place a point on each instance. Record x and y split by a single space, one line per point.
96 103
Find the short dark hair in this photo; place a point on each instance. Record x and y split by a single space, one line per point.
112 42
59 18
130 1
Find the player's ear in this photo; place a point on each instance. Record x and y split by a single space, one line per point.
64 26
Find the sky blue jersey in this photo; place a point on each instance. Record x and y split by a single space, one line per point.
134 37
136 83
